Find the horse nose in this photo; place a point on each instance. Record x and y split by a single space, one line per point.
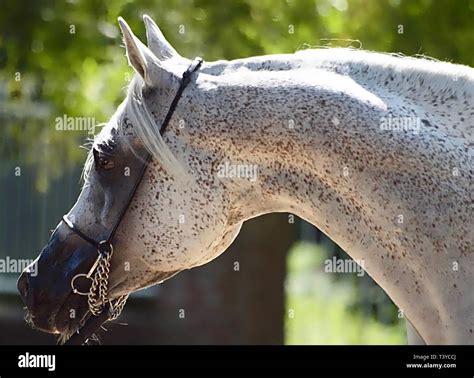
22 286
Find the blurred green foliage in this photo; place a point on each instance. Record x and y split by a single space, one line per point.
64 57
322 308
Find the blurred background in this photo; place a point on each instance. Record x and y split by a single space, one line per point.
64 58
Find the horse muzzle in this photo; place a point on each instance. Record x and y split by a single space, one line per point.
45 286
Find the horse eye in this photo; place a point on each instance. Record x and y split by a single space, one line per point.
101 161
105 163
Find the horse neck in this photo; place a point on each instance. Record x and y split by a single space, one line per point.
315 136
310 117
305 131
319 116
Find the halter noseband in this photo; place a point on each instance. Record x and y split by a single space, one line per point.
99 271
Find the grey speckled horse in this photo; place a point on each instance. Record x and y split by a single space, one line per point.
373 149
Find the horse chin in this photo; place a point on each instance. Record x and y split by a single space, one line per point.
71 317
66 321
84 327
72 328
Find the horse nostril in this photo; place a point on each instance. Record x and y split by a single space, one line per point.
22 286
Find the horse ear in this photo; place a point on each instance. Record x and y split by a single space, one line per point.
139 56
157 42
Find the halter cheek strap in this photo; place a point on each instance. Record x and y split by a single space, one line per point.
99 246
99 272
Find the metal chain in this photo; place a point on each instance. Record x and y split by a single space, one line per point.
97 296
116 306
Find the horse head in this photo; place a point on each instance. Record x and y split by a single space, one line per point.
176 216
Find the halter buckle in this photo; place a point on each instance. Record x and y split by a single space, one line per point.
105 248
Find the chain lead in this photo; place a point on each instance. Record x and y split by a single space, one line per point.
97 297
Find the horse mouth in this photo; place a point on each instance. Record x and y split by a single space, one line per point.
68 318
87 328
82 331
72 322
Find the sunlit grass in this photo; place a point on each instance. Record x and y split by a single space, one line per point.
318 306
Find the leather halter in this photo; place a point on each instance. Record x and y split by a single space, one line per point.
105 247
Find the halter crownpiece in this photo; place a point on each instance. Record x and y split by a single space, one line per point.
98 274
